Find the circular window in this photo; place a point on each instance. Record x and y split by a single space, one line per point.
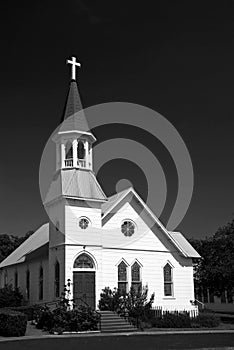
83 223
127 228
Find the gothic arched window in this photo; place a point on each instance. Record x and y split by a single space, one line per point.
122 277
41 280
136 276
83 261
69 150
80 150
16 280
28 283
168 283
5 278
56 279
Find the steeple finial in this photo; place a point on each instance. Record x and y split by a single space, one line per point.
74 65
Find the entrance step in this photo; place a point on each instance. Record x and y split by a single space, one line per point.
113 323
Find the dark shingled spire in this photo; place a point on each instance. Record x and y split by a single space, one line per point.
73 115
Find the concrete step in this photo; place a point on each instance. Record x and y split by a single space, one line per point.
112 322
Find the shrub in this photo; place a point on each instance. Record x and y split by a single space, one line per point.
59 320
29 310
10 297
208 320
109 299
12 323
44 318
172 320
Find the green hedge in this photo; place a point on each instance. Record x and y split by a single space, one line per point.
12 323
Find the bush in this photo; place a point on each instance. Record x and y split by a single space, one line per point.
12 323
208 320
134 304
29 310
109 299
172 320
61 319
10 297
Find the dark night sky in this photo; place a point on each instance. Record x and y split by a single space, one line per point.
176 57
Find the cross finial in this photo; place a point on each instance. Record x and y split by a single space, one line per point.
74 65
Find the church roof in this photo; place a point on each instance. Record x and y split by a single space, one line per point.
73 116
80 184
177 239
41 236
187 247
35 241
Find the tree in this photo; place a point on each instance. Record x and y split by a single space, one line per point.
8 243
216 268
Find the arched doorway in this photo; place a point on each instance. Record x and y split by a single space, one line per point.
84 280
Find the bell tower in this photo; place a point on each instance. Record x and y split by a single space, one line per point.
74 139
75 197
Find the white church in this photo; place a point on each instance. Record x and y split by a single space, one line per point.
97 241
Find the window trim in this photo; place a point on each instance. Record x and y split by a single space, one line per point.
28 284
126 282
86 218
16 279
171 282
140 274
132 222
41 283
57 279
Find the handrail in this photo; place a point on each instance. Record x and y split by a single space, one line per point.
200 302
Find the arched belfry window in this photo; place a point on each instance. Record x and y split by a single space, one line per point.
84 261
80 150
122 277
168 282
69 151
136 276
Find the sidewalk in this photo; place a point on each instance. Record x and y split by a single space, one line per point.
34 333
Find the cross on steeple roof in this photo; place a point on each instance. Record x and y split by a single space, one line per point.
74 64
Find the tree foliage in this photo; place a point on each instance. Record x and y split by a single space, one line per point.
216 268
8 243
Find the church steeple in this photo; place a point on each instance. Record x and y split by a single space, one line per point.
74 139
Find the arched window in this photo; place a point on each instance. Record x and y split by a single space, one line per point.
80 150
16 280
83 261
28 284
122 277
136 276
69 150
57 279
5 278
168 282
41 283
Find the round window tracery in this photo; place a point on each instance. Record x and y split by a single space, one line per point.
128 228
83 223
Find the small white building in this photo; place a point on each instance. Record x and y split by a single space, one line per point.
97 241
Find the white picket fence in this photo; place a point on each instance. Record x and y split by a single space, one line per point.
160 310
